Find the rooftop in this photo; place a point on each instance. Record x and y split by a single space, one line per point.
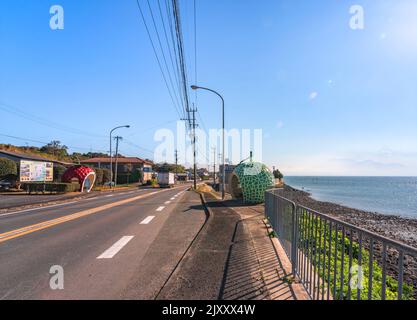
30 157
119 160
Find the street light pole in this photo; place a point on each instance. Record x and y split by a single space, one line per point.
194 87
111 155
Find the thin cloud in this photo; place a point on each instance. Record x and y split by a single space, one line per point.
313 95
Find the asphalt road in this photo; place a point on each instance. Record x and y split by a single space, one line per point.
106 245
10 200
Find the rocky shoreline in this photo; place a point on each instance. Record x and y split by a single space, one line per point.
397 228
403 230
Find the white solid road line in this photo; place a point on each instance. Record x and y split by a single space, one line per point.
160 209
147 220
38 208
114 249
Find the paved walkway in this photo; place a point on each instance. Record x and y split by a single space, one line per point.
233 259
264 258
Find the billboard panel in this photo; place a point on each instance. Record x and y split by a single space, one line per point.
36 171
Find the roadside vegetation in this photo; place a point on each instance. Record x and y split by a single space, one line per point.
7 168
52 151
314 241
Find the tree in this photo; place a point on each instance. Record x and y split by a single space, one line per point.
106 175
59 170
56 149
91 155
99 176
77 157
140 175
278 174
7 167
166 167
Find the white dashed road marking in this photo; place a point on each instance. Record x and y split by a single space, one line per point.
147 220
160 209
168 202
114 249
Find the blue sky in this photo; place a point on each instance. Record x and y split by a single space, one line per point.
330 100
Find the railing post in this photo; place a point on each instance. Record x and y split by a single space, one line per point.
294 240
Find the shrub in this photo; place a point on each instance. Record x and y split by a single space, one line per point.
99 176
106 175
7 167
331 263
140 175
59 170
154 182
278 175
51 187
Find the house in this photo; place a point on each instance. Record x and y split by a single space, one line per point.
182 177
203 173
34 168
127 167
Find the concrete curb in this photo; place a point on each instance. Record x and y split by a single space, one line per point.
209 214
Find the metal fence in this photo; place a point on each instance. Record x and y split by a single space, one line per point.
335 260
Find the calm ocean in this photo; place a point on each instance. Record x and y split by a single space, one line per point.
387 195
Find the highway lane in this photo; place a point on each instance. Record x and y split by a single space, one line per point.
98 252
17 219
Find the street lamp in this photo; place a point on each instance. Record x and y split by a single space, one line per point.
111 155
194 87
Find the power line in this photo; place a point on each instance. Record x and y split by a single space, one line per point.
171 18
45 143
202 121
132 144
150 128
175 70
157 58
26 115
180 47
162 50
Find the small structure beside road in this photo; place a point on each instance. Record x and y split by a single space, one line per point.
85 176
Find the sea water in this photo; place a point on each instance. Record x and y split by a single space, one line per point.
386 195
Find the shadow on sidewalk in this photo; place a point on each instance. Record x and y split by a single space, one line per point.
253 270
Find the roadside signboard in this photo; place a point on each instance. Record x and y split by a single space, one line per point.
36 171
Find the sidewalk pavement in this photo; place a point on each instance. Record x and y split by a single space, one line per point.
233 258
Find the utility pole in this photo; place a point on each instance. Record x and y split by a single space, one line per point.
194 151
214 166
176 164
117 158
111 154
193 141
